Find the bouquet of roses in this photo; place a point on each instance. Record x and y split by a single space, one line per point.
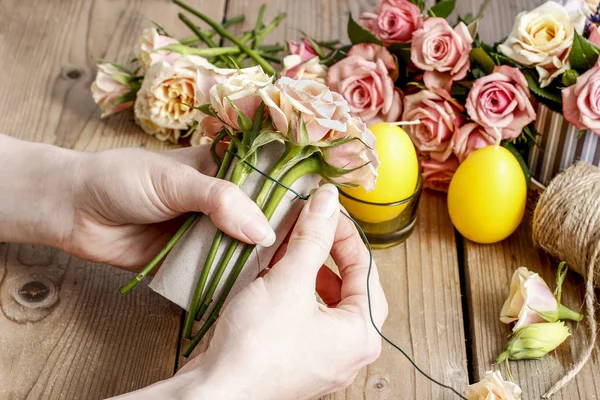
407 63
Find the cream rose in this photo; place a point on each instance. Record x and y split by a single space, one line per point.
359 153
321 109
162 104
493 387
542 38
148 46
239 92
592 6
295 68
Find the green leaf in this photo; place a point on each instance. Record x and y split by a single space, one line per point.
205 109
442 9
473 28
549 98
583 54
304 136
358 34
482 9
510 147
482 58
264 138
561 274
401 51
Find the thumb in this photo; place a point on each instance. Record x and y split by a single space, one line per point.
311 240
230 209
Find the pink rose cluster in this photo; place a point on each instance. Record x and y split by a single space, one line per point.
498 107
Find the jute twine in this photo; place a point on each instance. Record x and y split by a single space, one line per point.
566 224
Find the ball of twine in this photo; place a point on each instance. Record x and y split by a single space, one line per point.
566 224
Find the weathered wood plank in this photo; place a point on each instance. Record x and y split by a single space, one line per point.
489 269
91 342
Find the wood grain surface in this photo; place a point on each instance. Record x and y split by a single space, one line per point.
68 334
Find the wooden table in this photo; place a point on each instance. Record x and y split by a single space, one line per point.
445 293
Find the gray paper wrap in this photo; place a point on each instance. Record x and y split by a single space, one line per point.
177 278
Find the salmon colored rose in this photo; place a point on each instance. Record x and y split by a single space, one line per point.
366 80
581 101
393 21
440 118
468 138
438 174
442 52
359 153
321 109
500 102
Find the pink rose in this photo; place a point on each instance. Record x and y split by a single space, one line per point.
290 101
500 102
437 175
442 52
468 138
359 153
148 46
594 35
394 21
440 117
113 90
581 101
366 80
303 49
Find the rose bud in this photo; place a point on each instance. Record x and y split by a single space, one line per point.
534 341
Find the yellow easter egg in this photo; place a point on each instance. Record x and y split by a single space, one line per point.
397 180
487 195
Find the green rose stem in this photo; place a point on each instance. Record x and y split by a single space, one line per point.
225 34
258 26
310 165
209 42
277 171
186 225
195 51
211 33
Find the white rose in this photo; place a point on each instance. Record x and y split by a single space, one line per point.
493 387
162 104
295 68
543 37
239 91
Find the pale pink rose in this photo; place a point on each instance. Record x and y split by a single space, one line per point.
581 101
438 174
304 49
468 138
239 91
322 110
440 117
295 68
366 80
442 52
359 153
148 46
112 90
207 131
529 295
594 35
394 21
500 102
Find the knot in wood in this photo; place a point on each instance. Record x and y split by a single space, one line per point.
37 292
380 385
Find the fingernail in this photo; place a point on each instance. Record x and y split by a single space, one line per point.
259 231
324 201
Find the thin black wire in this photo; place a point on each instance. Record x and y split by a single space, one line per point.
364 237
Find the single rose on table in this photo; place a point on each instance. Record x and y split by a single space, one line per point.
542 38
393 21
366 80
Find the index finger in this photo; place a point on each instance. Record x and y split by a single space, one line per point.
356 268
